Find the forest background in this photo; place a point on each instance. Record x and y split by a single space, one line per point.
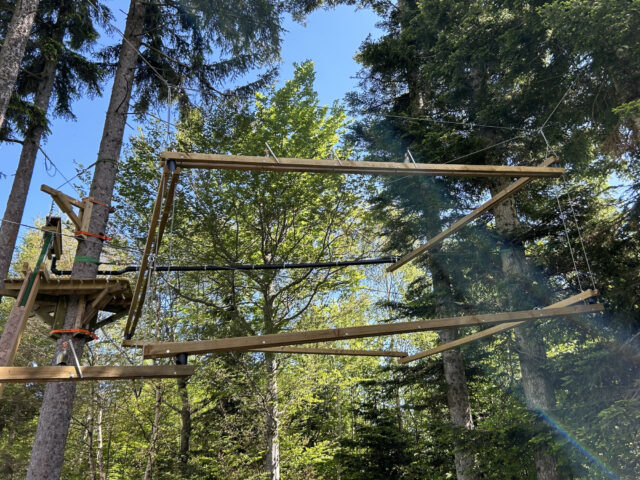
490 82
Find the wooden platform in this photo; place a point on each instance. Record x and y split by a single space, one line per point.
50 289
170 349
68 374
242 162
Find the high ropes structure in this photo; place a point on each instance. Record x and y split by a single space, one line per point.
40 294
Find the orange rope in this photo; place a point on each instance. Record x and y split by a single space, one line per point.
75 330
101 237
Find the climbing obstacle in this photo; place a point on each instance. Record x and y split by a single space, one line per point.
49 298
172 162
46 298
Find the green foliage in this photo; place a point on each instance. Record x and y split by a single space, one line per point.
76 75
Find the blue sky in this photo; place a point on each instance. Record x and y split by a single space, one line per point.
329 37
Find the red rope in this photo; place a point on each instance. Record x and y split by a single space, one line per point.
101 237
75 330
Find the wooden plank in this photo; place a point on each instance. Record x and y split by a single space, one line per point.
240 162
147 249
99 303
331 351
497 329
65 202
495 200
300 350
132 322
170 349
16 323
68 374
67 285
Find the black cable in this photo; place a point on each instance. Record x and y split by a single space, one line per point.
217 268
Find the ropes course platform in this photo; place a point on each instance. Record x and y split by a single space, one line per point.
69 374
109 295
173 162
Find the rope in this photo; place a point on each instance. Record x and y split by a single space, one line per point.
566 232
584 250
573 211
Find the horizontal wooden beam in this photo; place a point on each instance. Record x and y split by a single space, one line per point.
170 349
331 351
69 286
68 374
496 329
301 350
243 162
492 202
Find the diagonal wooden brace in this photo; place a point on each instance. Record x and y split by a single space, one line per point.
492 202
496 329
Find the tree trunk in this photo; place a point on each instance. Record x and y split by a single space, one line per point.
538 390
47 454
455 377
15 43
20 188
272 417
90 445
100 447
185 430
151 452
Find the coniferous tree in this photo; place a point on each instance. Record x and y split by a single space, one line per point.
13 47
243 44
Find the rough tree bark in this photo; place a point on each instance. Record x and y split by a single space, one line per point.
155 430
185 429
13 47
100 446
453 364
455 377
22 180
47 454
272 418
538 390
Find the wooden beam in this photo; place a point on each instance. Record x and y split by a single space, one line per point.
68 374
17 321
141 281
496 329
241 162
300 350
132 321
69 286
495 200
99 303
66 204
331 351
170 349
